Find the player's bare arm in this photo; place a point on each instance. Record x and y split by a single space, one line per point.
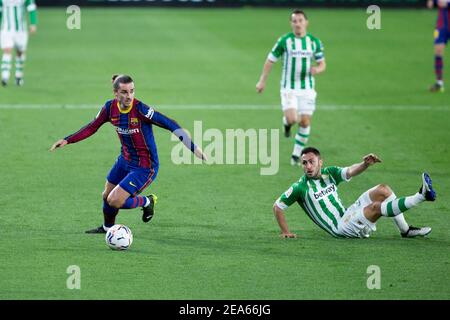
199 154
58 144
265 73
319 68
358 168
279 215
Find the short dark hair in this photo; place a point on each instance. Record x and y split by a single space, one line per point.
310 150
298 11
117 79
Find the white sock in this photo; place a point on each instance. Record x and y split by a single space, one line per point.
20 63
6 66
399 219
147 202
301 138
440 82
105 228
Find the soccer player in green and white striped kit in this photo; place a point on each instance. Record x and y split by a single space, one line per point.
14 34
299 50
317 193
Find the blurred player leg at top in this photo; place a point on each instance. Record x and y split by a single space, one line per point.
14 35
441 35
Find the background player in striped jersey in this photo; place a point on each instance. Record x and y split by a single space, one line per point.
298 97
137 165
14 34
317 193
441 36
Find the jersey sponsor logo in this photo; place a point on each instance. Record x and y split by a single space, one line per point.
126 130
324 192
301 53
150 113
288 192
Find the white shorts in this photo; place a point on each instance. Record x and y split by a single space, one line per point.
14 39
302 100
353 223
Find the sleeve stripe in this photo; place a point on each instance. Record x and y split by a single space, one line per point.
272 57
281 205
344 174
31 7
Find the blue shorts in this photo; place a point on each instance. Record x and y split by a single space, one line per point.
132 179
441 36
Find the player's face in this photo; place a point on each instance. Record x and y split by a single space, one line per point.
125 94
298 23
311 164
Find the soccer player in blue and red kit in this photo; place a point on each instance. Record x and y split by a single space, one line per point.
441 36
137 165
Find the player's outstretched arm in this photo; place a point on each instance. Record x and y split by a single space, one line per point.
58 144
358 168
263 78
279 215
165 122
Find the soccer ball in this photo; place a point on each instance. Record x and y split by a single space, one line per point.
119 237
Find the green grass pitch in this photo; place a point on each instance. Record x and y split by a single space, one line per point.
214 235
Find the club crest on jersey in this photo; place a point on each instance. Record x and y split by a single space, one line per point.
324 192
134 121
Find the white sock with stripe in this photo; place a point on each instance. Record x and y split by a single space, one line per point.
6 66
399 219
397 206
20 63
301 139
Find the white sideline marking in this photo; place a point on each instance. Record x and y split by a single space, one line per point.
230 107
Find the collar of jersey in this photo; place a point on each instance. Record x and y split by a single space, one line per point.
126 110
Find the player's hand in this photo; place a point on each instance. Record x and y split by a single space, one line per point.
430 4
199 154
371 159
260 86
58 144
288 235
313 71
33 29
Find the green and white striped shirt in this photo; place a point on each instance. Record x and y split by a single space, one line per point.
319 198
13 16
298 55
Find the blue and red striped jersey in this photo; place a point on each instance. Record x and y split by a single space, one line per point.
134 127
443 18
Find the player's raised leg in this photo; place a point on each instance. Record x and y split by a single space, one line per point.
120 198
383 193
397 206
301 137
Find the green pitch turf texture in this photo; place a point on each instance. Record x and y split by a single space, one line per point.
214 235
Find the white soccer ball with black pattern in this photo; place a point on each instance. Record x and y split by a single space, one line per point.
119 237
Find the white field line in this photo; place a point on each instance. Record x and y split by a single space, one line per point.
233 107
